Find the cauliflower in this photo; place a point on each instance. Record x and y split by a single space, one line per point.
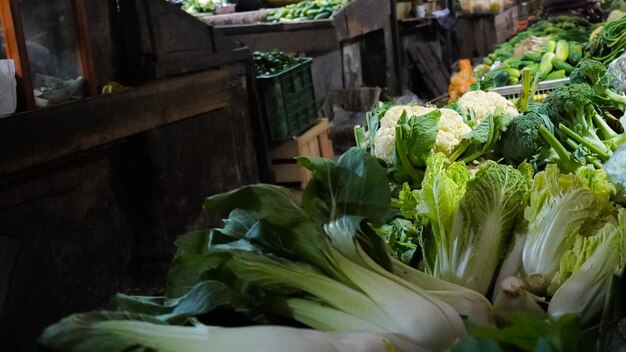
392 116
451 129
385 143
484 104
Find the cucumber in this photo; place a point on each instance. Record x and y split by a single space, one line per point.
513 72
322 15
545 66
575 53
562 50
533 67
562 65
520 65
511 62
550 46
532 56
555 75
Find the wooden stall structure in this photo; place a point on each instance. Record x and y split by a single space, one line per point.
350 49
477 35
93 192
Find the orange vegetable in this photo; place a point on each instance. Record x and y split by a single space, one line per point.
460 81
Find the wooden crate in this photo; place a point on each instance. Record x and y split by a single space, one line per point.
313 142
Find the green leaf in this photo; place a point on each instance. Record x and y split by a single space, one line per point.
527 332
485 135
419 136
355 185
141 304
347 230
203 298
186 272
614 168
272 203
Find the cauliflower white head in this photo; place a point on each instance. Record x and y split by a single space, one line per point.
452 128
484 104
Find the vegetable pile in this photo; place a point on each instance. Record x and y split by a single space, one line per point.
484 225
202 6
608 42
273 62
550 47
305 11
274 262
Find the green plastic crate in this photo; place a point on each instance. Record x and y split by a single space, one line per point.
288 100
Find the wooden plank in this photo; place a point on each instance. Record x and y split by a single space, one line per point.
365 16
16 49
85 59
251 23
290 41
326 146
427 61
183 62
44 135
355 19
313 132
298 146
311 148
234 18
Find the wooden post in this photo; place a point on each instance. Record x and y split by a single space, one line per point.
84 56
16 50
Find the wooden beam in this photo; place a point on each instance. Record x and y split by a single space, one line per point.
16 50
45 135
83 48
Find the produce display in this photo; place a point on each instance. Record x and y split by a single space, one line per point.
450 228
202 6
269 63
550 47
305 11
608 42
484 225
481 7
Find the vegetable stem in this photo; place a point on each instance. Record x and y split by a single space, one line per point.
578 138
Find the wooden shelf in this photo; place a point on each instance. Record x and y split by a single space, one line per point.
357 18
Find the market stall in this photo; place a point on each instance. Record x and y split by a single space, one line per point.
493 219
350 48
94 190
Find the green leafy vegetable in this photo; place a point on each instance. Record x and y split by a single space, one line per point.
560 207
525 332
117 332
477 234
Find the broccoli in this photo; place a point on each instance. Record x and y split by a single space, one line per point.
530 137
572 109
593 73
522 140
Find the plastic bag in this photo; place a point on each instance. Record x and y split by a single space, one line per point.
617 73
8 87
